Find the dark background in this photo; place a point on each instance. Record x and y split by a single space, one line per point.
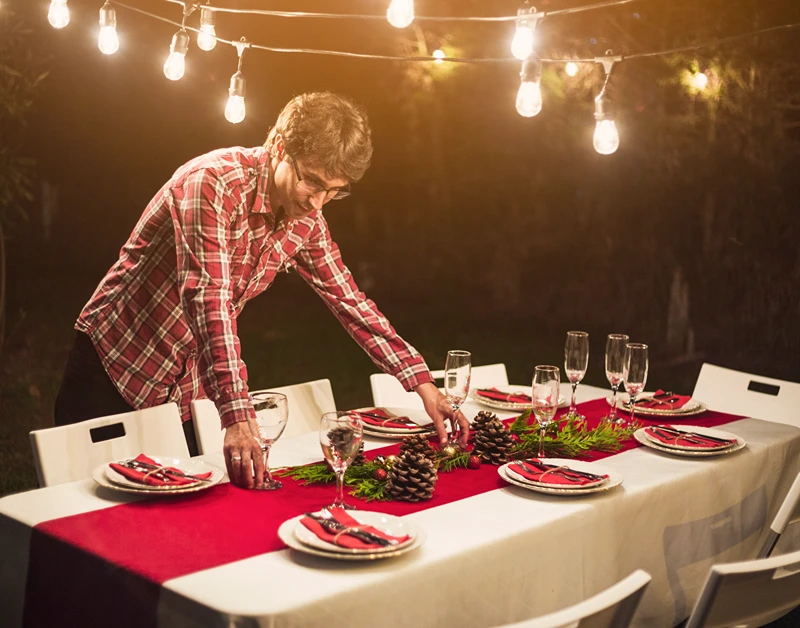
475 228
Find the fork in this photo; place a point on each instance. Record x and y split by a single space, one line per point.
327 520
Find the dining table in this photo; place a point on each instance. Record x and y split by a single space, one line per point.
81 554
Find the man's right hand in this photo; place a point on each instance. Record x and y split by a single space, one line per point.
243 456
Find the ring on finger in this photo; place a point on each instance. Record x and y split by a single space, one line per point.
236 458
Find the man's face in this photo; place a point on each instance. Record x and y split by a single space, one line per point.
302 189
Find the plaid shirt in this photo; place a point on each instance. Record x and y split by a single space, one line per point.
163 319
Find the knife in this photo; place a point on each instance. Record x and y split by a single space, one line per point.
538 466
133 464
335 527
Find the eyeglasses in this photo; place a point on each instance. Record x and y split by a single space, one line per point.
305 186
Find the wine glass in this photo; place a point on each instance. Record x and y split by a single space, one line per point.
457 373
340 435
545 398
272 413
576 360
635 372
615 365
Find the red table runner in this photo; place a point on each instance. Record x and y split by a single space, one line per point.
127 551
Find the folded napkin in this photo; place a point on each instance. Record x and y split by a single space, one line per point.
537 471
155 479
660 401
346 540
498 395
694 440
401 422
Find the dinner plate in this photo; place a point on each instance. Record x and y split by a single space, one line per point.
383 522
690 408
108 478
286 534
507 405
614 478
414 415
689 428
640 436
511 470
395 435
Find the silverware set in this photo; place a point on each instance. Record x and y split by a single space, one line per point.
331 525
166 475
569 474
693 437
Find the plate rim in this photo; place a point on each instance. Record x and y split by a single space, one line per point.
413 532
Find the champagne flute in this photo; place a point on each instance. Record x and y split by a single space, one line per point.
272 413
576 361
457 373
340 435
545 398
635 372
615 365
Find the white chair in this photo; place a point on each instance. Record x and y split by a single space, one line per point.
387 392
788 513
748 594
71 452
612 608
307 402
736 392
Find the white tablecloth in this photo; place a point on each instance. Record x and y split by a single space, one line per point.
494 558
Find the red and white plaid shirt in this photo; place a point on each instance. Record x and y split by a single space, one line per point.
163 319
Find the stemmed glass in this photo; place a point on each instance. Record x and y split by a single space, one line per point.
340 435
545 398
457 374
635 372
615 365
272 413
576 361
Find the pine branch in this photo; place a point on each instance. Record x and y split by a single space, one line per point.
450 463
371 490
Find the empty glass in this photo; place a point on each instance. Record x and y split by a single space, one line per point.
272 413
546 382
340 435
457 374
576 361
615 366
635 372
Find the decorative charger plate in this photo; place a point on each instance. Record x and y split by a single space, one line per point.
614 478
389 524
508 405
641 436
108 478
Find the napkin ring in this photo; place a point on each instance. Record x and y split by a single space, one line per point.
153 471
561 468
347 530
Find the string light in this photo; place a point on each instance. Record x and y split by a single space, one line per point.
699 81
108 40
400 13
206 38
529 96
439 56
235 109
175 65
58 14
571 69
606 136
522 44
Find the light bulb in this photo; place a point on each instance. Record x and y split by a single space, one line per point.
235 109
175 65
58 14
108 41
400 13
439 56
606 136
522 45
571 69
206 39
529 98
699 81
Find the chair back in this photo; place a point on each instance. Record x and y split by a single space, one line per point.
612 608
788 513
749 593
726 390
71 452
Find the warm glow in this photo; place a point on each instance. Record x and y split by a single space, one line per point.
699 81
439 55
175 66
529 98
206 39
522 45
235 109
400 13
606 136
108 41
58 15
571 69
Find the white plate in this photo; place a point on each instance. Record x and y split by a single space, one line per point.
420 417
286 534
511 470
507 405
693 453
614 478
690 408
107 477
689 428
385 523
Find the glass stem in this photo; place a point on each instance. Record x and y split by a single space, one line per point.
612 414
541 440
340 487
633 407
267 474
573 406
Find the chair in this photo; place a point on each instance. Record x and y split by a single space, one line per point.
612 608
71 452
389 393
307 402
788 514
736 392
749 593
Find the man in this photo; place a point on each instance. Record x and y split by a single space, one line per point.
161 326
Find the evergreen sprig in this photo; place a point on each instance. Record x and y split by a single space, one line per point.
450 463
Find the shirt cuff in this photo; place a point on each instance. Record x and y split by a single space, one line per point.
413 373
235 408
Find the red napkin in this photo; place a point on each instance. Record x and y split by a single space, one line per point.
402 422
695 440
670 402
346 540
535 470
143 478
499 395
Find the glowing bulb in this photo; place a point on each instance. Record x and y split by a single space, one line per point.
400 13
571 69
439 56
175 65
699 81
108 41
58 14
529 99
606 136
522 45
206 39
235 109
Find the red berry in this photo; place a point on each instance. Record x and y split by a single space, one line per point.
379 474
474 462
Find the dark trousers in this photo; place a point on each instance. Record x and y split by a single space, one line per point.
87 391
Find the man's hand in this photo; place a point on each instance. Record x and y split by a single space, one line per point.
439 409
243 456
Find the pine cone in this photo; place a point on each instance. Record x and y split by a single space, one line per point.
343 442
417 444
491 438
360 457
412 478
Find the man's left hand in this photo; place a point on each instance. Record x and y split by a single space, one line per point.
439 409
